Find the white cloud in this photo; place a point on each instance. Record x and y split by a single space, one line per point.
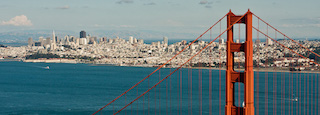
21 20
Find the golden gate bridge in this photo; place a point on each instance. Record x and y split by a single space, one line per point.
256 88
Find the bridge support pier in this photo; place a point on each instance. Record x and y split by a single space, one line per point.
232 76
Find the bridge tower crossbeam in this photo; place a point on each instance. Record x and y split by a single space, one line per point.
232 76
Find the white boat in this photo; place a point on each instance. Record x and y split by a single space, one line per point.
47 67
294 98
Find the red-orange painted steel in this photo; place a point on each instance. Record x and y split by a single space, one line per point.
286 35
245 77
178 67
159 67
286 46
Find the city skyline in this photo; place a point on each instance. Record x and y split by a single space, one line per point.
297 19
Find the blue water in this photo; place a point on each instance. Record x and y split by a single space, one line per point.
29 88
17 44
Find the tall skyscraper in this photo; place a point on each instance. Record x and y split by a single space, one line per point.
83 34
130 39
53 45
53 37
48 41
135 40
66 40
165 40
41 40
30 41
221 41
57 39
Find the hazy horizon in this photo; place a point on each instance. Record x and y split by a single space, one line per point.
155 19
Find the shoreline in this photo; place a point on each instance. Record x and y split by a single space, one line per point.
74 61
50 60
259 70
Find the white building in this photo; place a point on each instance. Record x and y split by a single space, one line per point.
165 40
83 41
130 39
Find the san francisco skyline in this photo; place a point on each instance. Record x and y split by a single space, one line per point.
297 18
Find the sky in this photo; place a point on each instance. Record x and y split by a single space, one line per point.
296 18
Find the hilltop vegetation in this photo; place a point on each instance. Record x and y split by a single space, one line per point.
38 55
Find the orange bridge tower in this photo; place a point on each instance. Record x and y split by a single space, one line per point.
233 76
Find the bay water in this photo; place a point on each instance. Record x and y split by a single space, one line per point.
82 89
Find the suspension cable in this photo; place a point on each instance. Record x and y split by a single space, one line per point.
185 62
286 47
159 66
286 35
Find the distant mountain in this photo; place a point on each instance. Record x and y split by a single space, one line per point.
142 34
